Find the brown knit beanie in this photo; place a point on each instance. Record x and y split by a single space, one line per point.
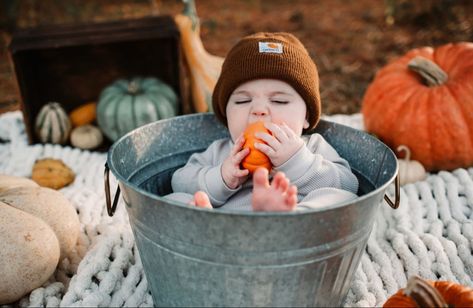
257 57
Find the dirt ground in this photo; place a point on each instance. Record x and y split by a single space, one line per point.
348 40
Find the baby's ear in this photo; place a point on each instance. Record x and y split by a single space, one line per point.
306 124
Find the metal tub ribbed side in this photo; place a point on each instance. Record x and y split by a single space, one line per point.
201 257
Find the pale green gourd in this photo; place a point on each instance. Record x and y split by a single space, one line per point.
128 104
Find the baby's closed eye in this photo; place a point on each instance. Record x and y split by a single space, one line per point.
283 102
243 101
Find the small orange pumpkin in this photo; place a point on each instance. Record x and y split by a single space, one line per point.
424 100
84 114
425 293
255 158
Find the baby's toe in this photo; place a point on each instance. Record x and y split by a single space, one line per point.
201 199
284 184
278 180
260 178
291 197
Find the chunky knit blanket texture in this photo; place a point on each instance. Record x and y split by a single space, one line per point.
430 234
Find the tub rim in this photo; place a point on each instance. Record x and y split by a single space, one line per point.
371 194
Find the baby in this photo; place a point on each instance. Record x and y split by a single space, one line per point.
267 77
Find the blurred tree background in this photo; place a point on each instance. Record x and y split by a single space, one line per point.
348 40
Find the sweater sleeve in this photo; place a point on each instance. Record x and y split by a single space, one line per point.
202 172
318 165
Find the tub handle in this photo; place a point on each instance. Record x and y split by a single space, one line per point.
397 194
110 208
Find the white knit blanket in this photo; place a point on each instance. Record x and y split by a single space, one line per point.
431 234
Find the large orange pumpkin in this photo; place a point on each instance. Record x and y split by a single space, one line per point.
426 293
255 158
424 100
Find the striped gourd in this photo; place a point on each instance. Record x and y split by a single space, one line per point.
52 124
127 104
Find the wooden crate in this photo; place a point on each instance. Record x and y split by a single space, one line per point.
71 64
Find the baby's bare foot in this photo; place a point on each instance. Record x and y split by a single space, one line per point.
201 200
279 196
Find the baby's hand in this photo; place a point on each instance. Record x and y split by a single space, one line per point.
232 175
281 146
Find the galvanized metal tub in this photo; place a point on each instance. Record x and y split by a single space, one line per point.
201 257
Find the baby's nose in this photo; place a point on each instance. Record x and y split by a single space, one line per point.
259 112
259 109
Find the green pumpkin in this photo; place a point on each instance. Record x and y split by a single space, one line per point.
128 104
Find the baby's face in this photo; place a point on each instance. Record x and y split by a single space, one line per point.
266 100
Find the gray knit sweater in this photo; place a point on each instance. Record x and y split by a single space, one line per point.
322 177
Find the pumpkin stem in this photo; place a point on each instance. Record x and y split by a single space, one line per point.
404 148
191 12
133 87
423 293
431 73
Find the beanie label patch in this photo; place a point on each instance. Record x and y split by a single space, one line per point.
270 47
